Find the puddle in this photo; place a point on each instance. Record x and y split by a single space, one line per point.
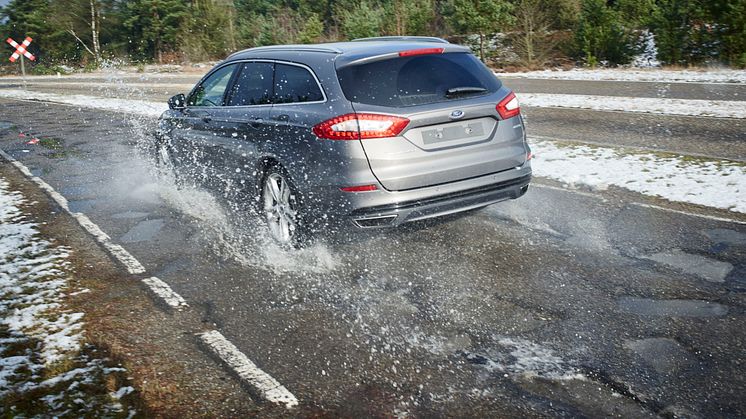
76 192
249 245
665 355
728 237
143 231
84 205
130 215
671 308
439 345
709 269
5 125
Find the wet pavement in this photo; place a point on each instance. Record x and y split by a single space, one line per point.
720 138
559 304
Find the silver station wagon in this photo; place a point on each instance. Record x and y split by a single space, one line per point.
365 134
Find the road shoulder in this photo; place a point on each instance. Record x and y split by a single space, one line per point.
171 375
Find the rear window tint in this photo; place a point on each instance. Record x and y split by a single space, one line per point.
416 80
253 85
295 84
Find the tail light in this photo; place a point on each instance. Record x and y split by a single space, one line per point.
508 107
421 51
360 126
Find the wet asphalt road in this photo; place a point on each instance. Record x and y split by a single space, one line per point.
560 303
719 138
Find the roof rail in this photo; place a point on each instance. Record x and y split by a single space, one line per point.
404 38
313 48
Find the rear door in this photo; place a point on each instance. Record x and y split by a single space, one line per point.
299 101
455 131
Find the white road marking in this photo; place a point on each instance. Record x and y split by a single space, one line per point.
118 252
168 295
691 214
639 204
261 382
125 258
92 228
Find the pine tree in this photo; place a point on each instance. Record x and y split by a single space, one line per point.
481 17
601 36
154 25
313 30
363 20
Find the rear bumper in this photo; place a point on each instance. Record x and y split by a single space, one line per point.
467 195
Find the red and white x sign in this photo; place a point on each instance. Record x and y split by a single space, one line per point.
20 49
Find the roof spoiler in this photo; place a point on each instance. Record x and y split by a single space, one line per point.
345 61
404 38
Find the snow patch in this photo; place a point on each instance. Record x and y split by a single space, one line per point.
718 184
718 76
32 276
684 107
132 106
40 336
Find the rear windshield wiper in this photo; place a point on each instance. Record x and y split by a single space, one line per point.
464 90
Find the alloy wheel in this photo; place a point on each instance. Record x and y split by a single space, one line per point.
279 208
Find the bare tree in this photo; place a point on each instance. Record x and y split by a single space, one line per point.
95 30
78 17
532 41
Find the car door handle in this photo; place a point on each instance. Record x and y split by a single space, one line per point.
256 122
203 116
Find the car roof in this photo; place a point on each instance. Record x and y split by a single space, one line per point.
353 51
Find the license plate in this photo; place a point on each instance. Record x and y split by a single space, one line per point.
463 131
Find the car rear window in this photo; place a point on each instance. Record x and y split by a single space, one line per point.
295 84
416 80
253 85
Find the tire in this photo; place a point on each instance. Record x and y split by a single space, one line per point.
165 164
280 209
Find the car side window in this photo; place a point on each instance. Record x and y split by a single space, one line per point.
295 84
211 91
253 86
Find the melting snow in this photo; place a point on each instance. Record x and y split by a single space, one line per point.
663 76
139 107
720 184
37 335
685 107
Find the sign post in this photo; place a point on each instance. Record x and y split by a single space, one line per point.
21 52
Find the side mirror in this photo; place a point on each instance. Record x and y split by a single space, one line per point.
177 102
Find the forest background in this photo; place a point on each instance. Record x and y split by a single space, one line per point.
522 34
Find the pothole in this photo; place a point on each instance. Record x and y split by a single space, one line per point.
706 268
671 308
